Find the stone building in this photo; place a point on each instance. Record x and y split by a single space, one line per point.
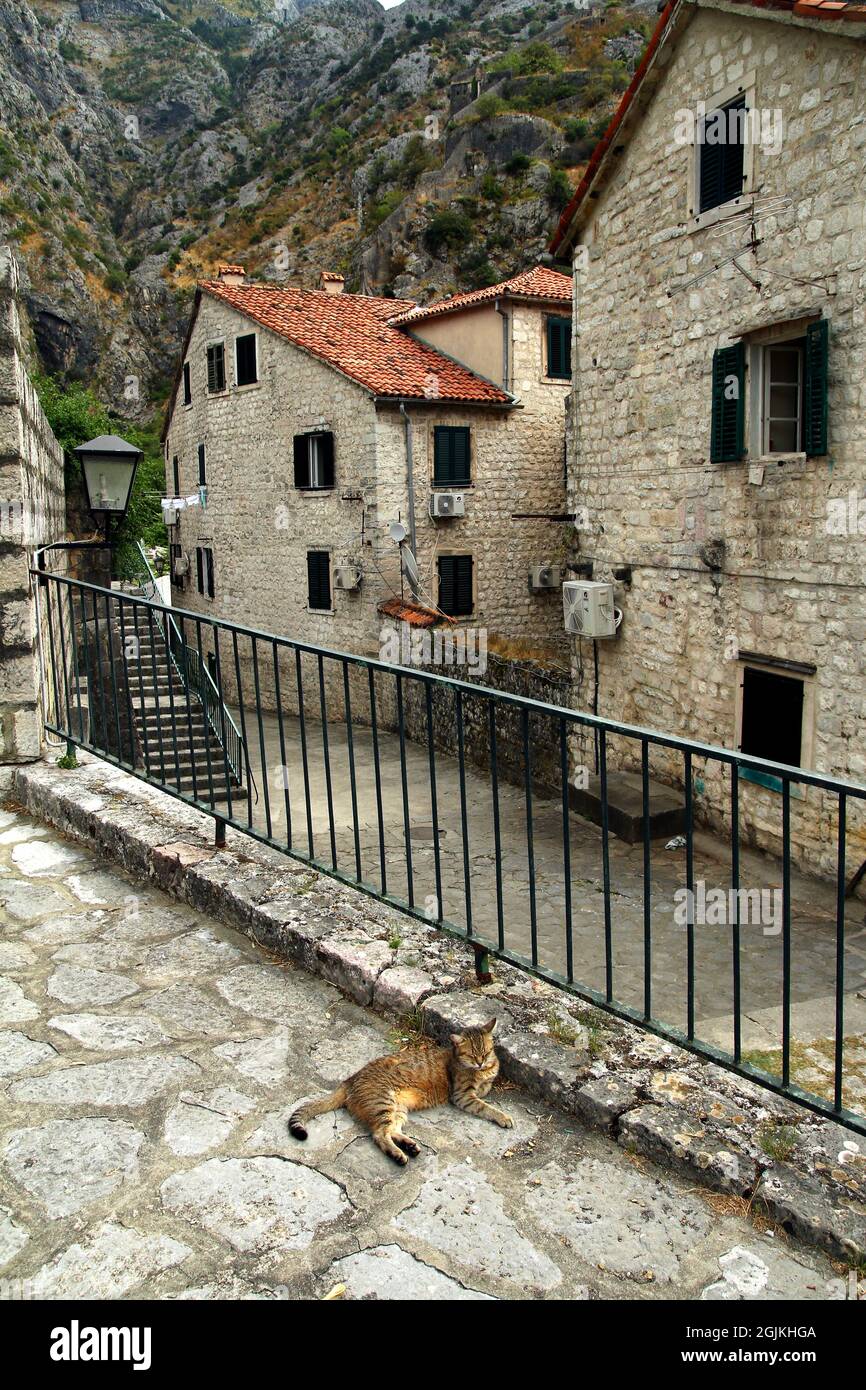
304 422
717 436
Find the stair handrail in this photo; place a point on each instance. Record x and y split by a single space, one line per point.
200 682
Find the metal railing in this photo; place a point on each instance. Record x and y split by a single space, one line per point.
196 677
452 802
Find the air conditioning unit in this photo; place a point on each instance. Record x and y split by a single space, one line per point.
544 577
588 609
446 504
347 577
180 566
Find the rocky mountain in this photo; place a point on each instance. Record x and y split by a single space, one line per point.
419 149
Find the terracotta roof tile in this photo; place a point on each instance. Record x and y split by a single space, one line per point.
352 333
807 9
538 283
412 613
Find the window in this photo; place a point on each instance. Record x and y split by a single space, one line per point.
721 138
216 368
246 364
782 417
187 388
177 578
452 455
559 348
204 570
455 585
314 460
772 720
202 471
319 579
175 470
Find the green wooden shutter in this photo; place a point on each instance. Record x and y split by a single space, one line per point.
302 466
720 162
463 584
447 570
216 368
198 569
452 454
326 445
815 403
728 404
319 578
559 348
202 472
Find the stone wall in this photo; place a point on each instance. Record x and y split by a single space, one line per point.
31 515
639 462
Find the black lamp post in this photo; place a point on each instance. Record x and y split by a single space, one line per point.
109 465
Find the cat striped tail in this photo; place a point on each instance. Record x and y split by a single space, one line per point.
298 1121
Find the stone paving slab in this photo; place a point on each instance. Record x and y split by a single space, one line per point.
144 1150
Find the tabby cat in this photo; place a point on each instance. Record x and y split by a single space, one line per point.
381 1093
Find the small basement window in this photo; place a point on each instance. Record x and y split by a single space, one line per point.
771 714
314 460
216 368
246 360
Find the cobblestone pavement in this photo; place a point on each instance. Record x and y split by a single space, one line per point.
149 1059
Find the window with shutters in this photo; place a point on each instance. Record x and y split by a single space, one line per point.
187 385
452 455
204 570
314 460
788 399
319 579
246 359
559 347
721 144
216 368
455 585
202 469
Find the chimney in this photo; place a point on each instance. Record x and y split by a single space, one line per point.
331 283
231 274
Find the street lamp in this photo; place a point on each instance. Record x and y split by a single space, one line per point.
109 465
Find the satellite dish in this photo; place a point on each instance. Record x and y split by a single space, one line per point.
397 531
410 568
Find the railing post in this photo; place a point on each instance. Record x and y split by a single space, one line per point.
482 965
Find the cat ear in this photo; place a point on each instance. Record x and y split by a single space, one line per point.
489 1026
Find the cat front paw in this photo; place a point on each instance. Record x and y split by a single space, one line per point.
504 1121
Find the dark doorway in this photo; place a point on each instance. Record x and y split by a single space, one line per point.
772 716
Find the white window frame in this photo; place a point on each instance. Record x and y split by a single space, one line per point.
745 87
776 335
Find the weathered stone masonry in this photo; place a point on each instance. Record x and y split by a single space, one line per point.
640 415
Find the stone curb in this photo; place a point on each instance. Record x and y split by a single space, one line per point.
653 1098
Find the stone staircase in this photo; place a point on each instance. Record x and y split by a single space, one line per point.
178 745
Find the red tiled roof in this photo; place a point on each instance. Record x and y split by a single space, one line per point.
538 283
412 613
351 332
805 9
